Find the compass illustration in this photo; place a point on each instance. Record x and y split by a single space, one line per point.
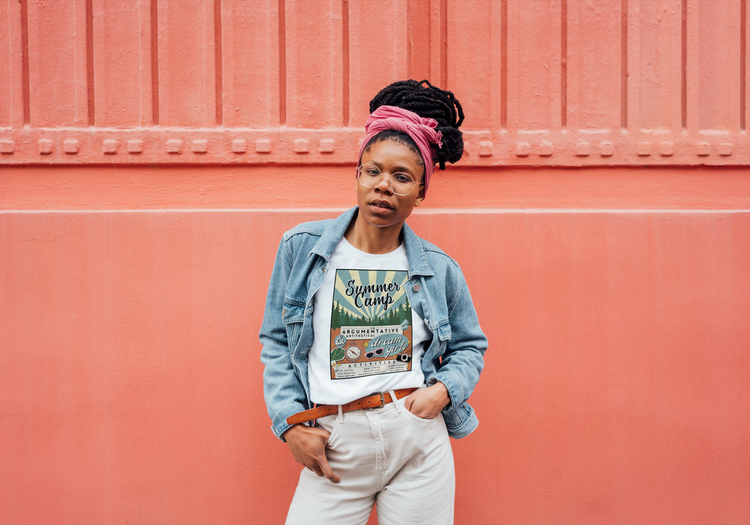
353 353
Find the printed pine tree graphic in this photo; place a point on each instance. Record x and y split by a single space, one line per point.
336 315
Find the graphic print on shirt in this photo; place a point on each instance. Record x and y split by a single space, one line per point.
370 324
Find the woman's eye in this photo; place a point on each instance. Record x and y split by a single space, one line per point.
371 170
402 177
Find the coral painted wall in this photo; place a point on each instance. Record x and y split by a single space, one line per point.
152 153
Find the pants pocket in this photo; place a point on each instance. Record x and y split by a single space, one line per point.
331 424
421 419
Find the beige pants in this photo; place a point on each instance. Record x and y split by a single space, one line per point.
385 455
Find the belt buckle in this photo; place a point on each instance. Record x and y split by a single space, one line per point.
382 400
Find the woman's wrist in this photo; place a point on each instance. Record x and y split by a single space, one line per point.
444 399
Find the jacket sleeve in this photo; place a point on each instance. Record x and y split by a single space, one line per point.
463 359
284 395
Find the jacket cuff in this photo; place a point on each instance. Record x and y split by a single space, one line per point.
279 424
461 421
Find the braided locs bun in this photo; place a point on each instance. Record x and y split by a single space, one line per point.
428 102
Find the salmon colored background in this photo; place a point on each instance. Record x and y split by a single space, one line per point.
152 153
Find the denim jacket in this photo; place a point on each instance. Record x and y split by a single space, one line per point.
436 290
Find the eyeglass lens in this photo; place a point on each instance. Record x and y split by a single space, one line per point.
400 183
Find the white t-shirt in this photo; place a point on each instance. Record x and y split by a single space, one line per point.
367 338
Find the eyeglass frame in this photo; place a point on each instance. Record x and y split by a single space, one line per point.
358 169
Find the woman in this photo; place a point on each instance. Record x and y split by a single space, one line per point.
361 304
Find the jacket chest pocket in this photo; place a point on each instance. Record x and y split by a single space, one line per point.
293 316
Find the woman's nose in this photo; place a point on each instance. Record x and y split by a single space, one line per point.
384 184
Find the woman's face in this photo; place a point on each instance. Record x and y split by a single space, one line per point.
378 205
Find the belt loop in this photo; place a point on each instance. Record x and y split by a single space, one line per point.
398 402
341 414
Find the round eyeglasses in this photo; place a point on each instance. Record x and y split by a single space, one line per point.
399 183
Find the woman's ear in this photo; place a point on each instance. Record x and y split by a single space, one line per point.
420 198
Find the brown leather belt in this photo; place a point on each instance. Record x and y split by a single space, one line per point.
375 400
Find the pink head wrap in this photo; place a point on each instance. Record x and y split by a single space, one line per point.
421 130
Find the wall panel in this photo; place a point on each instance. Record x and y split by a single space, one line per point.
122 63
314 51
473 62
187 66
744 67
655 67
713 54
250 45
534 75
377 43
594 67
131 384
11 75
58 63
544 82
419 30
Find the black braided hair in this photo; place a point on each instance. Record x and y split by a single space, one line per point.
428 101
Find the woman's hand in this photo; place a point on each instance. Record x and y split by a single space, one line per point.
428 402
308 446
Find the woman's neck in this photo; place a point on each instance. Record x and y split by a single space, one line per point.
371 239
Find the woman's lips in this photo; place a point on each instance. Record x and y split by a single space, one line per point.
381 206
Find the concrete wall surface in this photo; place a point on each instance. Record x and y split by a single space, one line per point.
153 152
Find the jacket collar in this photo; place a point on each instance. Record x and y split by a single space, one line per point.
335 231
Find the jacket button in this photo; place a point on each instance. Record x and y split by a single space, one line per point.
415 287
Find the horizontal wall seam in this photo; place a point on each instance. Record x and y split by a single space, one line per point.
479 211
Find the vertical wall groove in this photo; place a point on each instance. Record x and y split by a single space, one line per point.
219 82
409 51
345 56
624 64
282 62
743 59
504 64
683 66
90 61
155 62
25 61
564 64
444 44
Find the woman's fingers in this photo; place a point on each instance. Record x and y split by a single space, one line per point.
308 446
320 464
327 471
